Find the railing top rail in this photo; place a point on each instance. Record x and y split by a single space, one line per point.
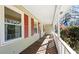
70 50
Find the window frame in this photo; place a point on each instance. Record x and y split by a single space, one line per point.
35 27
3 42
15 25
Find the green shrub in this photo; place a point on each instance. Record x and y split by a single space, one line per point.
71 35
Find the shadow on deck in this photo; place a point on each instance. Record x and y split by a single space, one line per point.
39 48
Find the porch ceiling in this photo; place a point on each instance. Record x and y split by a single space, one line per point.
44 13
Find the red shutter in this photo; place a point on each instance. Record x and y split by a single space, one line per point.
25 26
32 26
38 26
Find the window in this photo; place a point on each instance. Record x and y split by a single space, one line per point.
12 24
56 28
38 27
32 26
12 31
35 27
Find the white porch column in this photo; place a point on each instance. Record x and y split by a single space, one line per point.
58 27
53 26
2 28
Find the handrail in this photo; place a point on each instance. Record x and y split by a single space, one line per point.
69 49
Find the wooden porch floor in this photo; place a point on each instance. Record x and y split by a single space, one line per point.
44 45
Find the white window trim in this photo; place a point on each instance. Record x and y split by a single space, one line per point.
3 42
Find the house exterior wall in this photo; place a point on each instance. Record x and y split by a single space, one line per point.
15 46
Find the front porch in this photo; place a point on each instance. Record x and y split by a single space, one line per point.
44 45
49 44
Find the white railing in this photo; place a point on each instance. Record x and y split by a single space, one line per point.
61 46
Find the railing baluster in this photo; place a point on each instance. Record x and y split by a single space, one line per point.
62 47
